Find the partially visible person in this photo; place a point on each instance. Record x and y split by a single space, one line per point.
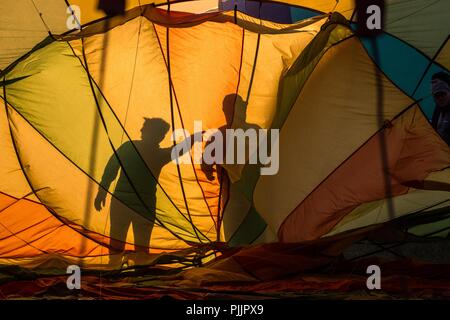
440 86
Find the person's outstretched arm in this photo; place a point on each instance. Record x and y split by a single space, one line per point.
178 150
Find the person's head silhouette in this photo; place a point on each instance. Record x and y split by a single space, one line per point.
233 103
154 130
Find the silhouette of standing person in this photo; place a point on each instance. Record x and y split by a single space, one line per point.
234 109
208 169
140 163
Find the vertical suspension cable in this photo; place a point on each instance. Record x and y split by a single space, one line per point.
173 127
96 121
255 60
221 214
182 124
380 121
335 5
43 21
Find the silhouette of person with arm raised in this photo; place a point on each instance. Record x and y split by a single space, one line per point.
140 163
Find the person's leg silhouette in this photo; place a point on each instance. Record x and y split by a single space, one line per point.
119 225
